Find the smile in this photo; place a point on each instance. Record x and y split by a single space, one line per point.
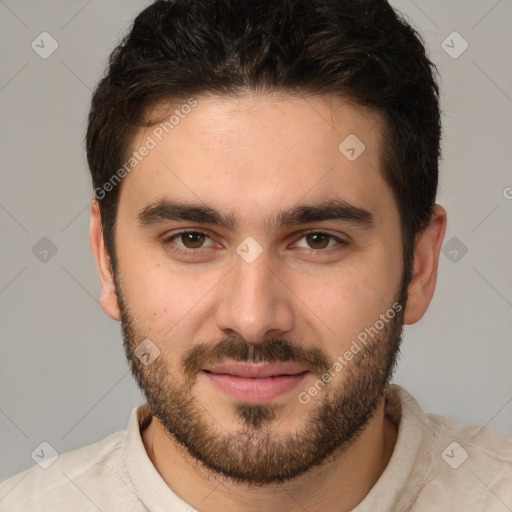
256 383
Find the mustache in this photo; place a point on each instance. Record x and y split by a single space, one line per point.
272 350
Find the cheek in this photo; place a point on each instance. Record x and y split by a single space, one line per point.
163 299
348 301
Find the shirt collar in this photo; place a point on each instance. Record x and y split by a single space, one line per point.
400 482
150 487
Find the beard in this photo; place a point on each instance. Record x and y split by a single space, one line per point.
256 453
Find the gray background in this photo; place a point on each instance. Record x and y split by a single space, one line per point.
63 375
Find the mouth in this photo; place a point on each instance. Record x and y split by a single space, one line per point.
255 382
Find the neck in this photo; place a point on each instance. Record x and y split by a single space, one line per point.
337 485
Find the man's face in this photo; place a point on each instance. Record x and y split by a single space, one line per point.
255 292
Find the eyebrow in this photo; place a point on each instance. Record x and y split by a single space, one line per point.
332 209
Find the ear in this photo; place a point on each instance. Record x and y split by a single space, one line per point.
424 272
108 299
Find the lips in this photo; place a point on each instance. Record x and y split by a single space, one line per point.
256 370
255 382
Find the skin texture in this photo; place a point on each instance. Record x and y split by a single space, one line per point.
251 157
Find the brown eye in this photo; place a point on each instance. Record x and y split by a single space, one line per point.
192 239
189 244
318 240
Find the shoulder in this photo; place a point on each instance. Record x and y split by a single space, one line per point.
480 443
470 465
70 482
472 468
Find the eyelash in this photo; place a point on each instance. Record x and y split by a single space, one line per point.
167 242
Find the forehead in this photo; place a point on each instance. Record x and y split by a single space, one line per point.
253 151
256 118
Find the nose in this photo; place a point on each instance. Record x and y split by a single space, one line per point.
254 303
